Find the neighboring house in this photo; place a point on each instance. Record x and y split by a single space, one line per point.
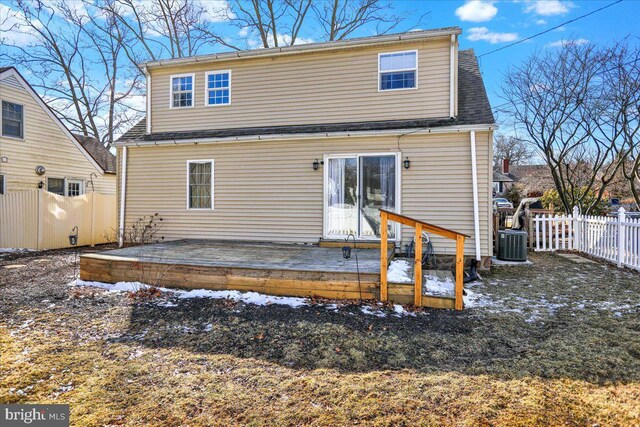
502 179
533 180
307 142
38 151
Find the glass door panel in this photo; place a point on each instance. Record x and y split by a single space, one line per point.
377 191
342 197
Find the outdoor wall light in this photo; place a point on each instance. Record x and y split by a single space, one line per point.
346 252
40 185
73 238
316 164
406 163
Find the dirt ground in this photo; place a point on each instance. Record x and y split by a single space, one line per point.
555 343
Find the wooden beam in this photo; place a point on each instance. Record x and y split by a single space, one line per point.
417 267
412 222
384 295
459 272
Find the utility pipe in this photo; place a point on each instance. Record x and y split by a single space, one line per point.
123 190
476 209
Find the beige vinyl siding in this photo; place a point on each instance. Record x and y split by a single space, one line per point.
309 88
44 144
268 191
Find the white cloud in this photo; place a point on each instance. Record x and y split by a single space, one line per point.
541 22
483 34
283 40
12 28
548 7
477 11
216 10
560 43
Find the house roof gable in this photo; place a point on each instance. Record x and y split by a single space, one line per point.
12 71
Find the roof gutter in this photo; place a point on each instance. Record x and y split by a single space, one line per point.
305 48
307 136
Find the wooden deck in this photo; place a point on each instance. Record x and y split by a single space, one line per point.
275 269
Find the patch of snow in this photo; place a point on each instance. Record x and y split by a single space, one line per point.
433 285
167 304
246 297
371 311
15 250
398 271
207 328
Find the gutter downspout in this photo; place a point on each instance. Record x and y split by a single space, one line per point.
123 190
476 209
146 72
452 75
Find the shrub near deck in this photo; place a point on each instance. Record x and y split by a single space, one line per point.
552 344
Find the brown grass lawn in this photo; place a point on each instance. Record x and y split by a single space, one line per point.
553 344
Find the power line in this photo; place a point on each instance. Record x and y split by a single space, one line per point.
551 29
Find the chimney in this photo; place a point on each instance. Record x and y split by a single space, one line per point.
505 166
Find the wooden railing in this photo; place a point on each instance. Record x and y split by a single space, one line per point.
420 226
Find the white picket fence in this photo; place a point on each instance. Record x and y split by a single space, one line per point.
616 239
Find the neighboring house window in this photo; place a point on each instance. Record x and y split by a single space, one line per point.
55 185
65 187
74 187
218 88
12 120
398 70
182 91
2 185
200 176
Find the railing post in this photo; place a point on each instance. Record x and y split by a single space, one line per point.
384 295
459 272
417 268
621 237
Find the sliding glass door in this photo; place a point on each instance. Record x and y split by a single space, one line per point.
356 188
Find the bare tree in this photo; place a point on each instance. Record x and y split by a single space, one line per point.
76 64
338 19
509 147
556 98
619 116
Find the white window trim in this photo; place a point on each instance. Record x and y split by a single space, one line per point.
399 70
3 188
206 88
19 138
68 181
193 89
212 184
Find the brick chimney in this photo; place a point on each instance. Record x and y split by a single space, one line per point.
505 166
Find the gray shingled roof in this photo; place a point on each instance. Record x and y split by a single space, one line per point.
99 152
500 177
3 69
473 109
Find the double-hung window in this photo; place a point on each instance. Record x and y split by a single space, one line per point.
12 120
218 88
200 184
182 90
398 70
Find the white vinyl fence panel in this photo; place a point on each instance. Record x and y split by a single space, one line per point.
615 239
37 219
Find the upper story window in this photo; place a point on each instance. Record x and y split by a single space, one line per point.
182 90
218 88
12 120
398 70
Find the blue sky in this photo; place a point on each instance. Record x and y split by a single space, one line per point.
487 25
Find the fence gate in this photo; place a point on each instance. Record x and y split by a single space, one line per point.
616 239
